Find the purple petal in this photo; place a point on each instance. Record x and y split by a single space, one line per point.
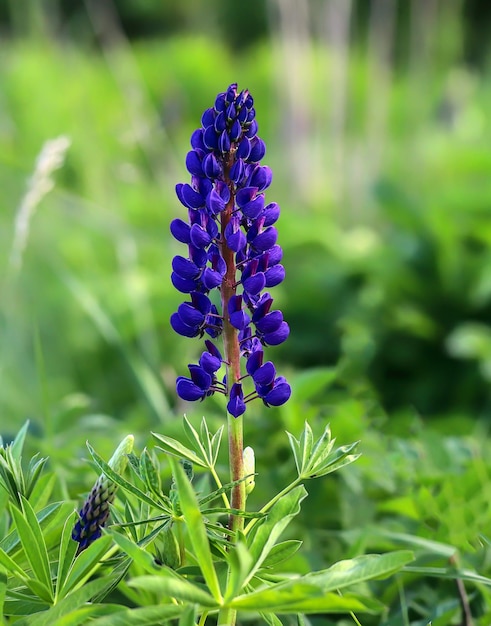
262 177
180 230
271 213
183 285
244 149
278 336
208 117
184 267
270 323
224 142
210 138
189 197
197 140
265 375
236 405
193 163
199 237
189 315
211 279
187 390
181 328
254 284
279 394
213 350
215 202
254 361
210 363
200 377
235 131
211 167
253 208
275 275
266 239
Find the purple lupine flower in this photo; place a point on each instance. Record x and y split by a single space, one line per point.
231 247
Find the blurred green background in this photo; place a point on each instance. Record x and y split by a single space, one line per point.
376 120
376 117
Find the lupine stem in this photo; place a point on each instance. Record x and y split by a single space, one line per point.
232 359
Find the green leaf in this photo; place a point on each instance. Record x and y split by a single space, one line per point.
352 571
18 443
281 552
215 444
168 444
41 490
306 443
86 564
196 529
145 616
33 543
266 532
170 584
194 440
299 597
67 551
297 452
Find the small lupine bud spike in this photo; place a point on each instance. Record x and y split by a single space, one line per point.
95 511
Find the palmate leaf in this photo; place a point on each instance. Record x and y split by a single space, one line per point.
314 460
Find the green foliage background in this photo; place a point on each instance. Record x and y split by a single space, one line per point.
382 167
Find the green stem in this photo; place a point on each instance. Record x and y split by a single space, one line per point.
218 483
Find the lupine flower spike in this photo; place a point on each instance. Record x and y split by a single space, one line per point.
231 247
95 510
